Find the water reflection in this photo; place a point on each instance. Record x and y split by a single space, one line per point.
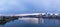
41 20
32 22
29 20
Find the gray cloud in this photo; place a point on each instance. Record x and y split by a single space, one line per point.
29 6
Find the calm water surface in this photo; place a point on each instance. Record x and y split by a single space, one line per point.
32 22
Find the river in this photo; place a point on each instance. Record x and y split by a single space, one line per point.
32 22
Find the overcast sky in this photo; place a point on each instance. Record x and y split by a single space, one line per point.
29 6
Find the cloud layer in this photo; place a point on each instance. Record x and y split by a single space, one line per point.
29 6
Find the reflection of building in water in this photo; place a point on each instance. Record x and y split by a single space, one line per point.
33 20
29 20
40 20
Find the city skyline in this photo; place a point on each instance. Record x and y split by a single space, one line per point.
30 14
